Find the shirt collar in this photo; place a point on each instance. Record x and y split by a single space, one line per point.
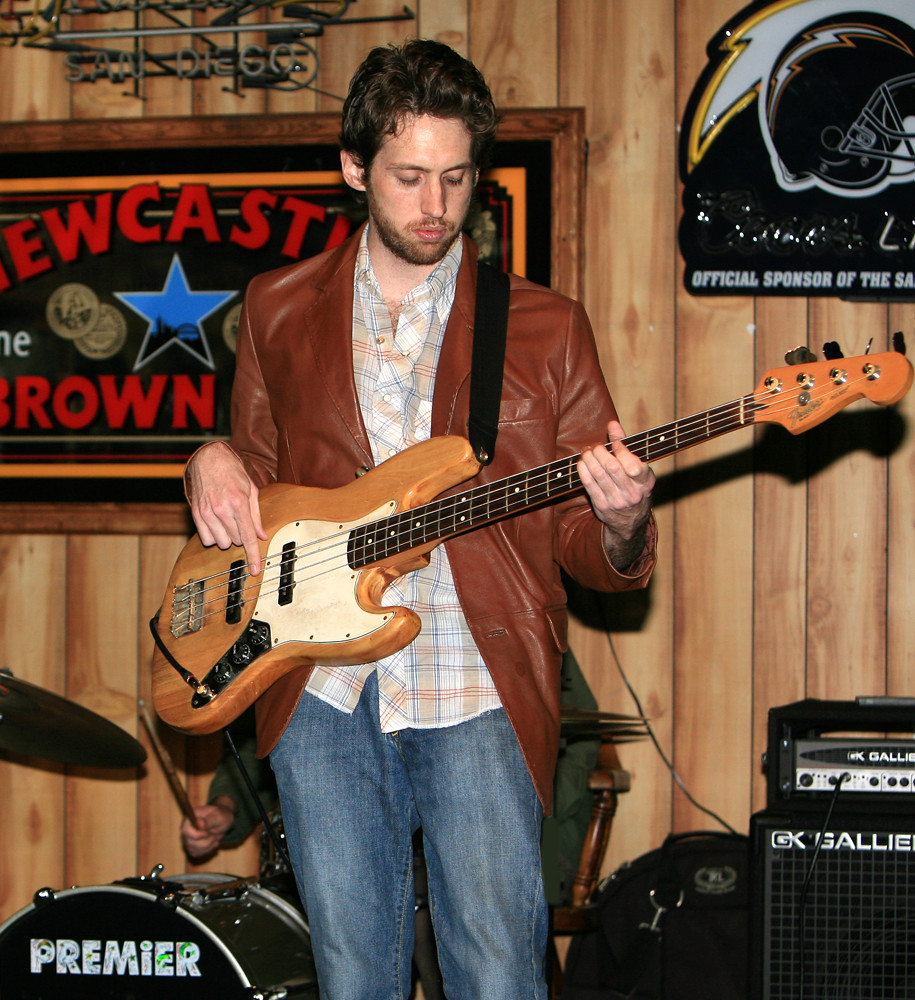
437 285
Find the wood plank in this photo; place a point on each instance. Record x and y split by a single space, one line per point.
32 84
900 536
104 97
165 133
445 21
713 492
514 44
847 528
86 518
779 543
169 95
102 676
342 49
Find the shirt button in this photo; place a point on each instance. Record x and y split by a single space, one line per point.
387 397
380 340
392 452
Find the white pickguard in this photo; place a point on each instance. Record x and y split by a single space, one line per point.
324 608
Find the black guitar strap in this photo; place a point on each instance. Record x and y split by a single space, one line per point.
489 327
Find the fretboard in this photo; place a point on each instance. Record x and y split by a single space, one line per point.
465 511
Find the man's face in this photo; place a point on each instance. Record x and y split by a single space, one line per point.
419 188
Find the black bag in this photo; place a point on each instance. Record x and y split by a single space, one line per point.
673 926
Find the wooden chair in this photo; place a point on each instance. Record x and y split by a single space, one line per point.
607 781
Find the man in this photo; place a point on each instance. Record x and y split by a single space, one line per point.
344 360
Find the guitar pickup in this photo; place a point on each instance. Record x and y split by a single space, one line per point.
287 574
187 609
235 599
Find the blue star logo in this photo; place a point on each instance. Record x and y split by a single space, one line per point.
175 316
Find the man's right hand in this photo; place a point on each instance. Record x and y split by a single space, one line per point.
224 501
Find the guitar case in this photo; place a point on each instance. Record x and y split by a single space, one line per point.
673 925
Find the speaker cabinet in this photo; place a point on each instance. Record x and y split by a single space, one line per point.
843 929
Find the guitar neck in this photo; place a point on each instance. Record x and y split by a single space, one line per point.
460 513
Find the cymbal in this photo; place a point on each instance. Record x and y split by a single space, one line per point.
38 723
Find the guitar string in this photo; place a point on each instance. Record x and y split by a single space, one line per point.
539 483
707 424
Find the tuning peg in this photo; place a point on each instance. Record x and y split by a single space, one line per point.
800 356
832 351
899 342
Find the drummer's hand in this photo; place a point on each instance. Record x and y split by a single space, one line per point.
213 821
223 501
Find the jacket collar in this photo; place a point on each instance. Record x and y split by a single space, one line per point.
329 323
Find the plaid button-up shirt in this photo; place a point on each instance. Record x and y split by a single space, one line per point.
439 679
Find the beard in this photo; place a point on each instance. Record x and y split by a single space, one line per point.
408 247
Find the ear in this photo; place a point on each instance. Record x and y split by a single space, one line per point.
353 174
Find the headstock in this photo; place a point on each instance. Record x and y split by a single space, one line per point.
807 392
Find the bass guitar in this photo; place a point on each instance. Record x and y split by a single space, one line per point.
222 636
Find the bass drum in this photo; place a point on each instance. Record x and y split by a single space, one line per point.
185 938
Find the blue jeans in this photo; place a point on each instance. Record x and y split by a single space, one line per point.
351 798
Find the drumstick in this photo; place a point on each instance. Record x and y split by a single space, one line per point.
168 766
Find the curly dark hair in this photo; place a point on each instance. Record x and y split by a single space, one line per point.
421 77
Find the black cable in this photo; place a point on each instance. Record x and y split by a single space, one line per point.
667 762
268 826
802 899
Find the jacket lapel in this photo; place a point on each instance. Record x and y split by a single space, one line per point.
452 377
329 327
328 324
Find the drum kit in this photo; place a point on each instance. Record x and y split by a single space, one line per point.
189 937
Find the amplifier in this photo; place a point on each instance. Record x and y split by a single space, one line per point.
841 927
803 764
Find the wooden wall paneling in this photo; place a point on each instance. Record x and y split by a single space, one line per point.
343 47
102 675
514 44
32 84
713 527
220 95
104 98
779 541
713 535
446 21
32 632
621 71
848 524
283 101
168 95
901 526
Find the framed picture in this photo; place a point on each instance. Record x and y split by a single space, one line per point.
125 250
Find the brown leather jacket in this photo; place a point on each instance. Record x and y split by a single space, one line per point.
296 419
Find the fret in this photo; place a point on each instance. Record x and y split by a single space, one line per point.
441 519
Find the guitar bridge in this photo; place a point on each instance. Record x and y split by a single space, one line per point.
254 641
187 609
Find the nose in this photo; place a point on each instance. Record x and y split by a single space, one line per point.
433 204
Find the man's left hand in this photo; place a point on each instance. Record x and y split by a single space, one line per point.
619 485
